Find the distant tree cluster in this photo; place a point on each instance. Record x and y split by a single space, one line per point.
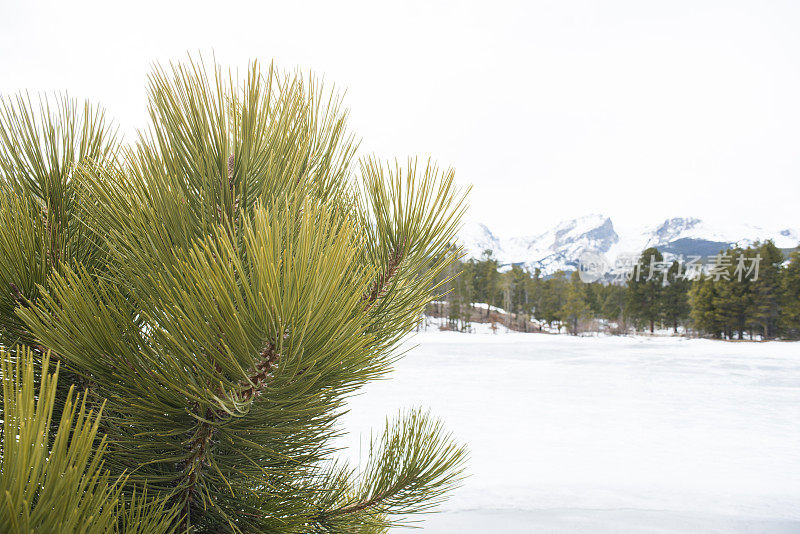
725 305
768 306
561 300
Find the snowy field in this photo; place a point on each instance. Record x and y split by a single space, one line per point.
606 435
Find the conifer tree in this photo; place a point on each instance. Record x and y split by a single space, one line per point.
645 289
520 299
790 298
220 288
593 292
507 290
459 298
552 297
487 280
575 306
613 299
733 295
676 297
766 289
703 314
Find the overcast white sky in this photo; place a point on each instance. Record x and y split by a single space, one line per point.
552 109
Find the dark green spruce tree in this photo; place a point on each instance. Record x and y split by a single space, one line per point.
459 298
675 297
551 297
733 295
611 300
218 290
790 298
575 307
487 281
645 290
766 289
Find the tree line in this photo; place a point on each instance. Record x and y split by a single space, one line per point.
719 299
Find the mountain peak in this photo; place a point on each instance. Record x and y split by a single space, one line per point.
560 247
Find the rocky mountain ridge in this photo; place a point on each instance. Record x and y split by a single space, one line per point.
560 246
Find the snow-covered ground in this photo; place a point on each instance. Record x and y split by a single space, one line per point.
606 434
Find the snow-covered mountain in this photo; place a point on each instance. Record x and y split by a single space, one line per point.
561 246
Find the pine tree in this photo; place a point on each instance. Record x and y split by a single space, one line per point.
766 289
575 306
645 289
220 289
552 297
676 297
520 300
487 281
704 314
790 297
733 296
593 292
459 298
613 298
507 289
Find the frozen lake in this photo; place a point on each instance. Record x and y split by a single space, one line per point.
611 434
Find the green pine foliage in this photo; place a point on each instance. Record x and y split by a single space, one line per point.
41 146
58 483
764 305
487 280
675 295
220 288
459 298
766 290
576 306
790 297
733 300
646 289
551 297
612 302
50 485
704 316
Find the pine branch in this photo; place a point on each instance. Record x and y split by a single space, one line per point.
201 442
357 507
261 372
52 471
381 285
199 446
19 298
23 302
411 466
